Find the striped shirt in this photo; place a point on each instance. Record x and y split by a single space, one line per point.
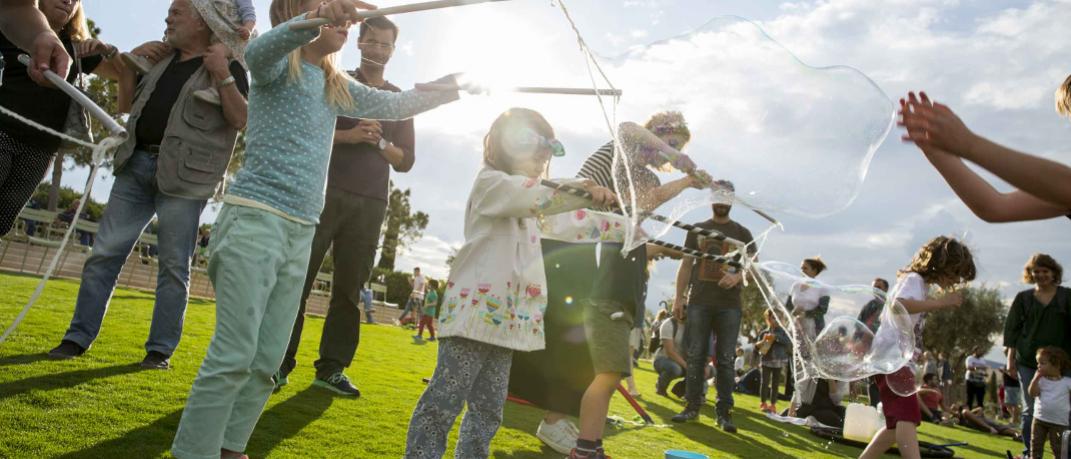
599 166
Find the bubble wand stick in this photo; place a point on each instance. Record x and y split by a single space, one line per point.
733 260
409 8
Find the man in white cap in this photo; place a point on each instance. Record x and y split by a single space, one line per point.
711 292
172 163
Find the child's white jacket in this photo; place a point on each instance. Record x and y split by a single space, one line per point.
497 291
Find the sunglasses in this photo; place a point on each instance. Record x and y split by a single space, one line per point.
528 141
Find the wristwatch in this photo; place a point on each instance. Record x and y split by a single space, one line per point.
383 143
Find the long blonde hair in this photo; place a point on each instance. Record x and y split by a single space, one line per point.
77 28
336 82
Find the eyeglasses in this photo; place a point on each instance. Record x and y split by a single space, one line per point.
373 44
528 141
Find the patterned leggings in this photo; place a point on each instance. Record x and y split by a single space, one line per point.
1042 431
22 166
467 372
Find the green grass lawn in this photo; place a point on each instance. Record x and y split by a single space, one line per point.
102 405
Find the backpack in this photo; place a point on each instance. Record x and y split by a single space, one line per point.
656 338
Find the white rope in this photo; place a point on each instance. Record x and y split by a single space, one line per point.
100 151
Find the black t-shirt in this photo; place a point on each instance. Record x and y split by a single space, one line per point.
706 273
47 106
360 168
157 110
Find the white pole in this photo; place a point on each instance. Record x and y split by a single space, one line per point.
527 89
81 98
410 8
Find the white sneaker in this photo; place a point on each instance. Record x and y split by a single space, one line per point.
140 64
210 95
560 436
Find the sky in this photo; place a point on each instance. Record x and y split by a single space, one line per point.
995 62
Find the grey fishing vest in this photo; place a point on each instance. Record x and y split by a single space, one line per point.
197 143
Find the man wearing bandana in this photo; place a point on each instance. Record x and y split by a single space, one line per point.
711 292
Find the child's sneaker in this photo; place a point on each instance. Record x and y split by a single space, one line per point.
140 64
210 95
559 436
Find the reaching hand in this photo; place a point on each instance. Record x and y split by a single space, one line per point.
600 195
953 299
341 13
152 50
932 125
216 63
48 54
92 47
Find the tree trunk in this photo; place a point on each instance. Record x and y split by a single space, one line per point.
57 177
390 245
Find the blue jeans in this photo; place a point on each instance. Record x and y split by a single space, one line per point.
366 298
724 322
1026 374
133 201
667 370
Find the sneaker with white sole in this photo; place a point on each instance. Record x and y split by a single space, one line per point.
560 436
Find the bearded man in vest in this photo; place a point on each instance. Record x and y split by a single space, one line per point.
169 167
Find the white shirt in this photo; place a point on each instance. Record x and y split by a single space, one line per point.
807 294
665 331
418 286
1054 403
888 347
977 376
739 363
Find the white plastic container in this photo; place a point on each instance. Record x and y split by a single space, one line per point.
861 422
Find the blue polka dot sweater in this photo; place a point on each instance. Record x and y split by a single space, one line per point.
291 126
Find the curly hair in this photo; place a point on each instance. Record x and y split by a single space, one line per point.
1063 98
669 122
1056 356
943 258
1043 260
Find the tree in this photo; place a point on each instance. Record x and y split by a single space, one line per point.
957 332
103 92
753 306
401 226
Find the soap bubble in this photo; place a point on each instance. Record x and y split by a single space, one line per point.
793 138
844 348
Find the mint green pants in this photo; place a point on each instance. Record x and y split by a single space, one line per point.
257 268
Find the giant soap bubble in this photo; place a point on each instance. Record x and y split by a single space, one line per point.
844 348
793 138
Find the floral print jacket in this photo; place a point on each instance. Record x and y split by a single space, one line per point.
496 293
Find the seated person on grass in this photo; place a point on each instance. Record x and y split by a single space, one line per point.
931 402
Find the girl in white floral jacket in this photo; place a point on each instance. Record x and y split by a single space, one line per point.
496 293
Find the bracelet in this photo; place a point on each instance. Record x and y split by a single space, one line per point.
228 81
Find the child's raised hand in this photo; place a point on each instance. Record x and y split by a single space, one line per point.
341 13
934 125
216 62
152 50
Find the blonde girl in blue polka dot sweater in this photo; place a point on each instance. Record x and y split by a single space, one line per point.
263 235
